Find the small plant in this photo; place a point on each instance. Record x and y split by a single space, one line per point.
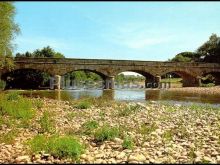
83 105
47 123
106 133
89 126
128 143
167 135
57 146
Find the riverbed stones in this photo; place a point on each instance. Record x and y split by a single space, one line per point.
160 135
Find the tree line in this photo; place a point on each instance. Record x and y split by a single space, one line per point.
207 52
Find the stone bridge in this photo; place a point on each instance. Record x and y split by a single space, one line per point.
190 72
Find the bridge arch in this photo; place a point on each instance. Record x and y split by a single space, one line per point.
26 78
150 79
189 79
215 76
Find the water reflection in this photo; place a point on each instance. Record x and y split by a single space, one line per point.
127 95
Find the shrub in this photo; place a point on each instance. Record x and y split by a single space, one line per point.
128 143
47 123
57 146
106 133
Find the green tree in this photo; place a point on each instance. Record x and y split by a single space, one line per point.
210 49
186 57
8 30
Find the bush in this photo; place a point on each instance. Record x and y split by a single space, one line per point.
47 123
106 133
128 143
57 146
2 85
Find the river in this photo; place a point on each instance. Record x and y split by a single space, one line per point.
135 95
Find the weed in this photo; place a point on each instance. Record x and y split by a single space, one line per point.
128 143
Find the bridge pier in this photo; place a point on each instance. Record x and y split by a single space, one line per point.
109 83
55 82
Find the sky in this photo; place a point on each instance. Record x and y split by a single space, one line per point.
146 31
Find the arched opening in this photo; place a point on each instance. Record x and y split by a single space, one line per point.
171 79
210 79
83 79
26 79
180 77
134 79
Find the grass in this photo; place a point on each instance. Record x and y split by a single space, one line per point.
57 146
89 126
47 123
106 133
38 104
16 106
207 85
167 135
84 104
128 110
147 129
172 80
8 138
128 143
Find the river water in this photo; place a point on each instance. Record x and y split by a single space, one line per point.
134 95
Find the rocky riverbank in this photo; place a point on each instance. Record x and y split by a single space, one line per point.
198 90
158 133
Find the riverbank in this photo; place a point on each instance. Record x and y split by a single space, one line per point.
198 90
113 132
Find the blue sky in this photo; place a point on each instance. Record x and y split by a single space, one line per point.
151 31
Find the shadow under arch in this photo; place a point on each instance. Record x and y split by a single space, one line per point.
214 79
188 80
26 78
